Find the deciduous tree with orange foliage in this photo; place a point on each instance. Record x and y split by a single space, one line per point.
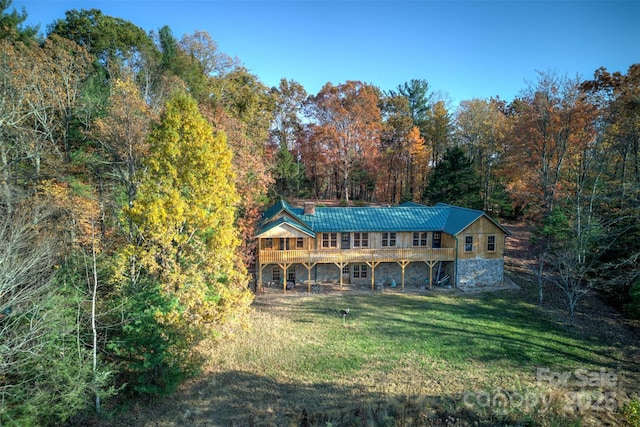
551 123
122 134
550 168
39 93
317 168
242 107
403 155
481 128
348 122
617 168
437 131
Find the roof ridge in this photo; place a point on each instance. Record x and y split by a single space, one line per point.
460 207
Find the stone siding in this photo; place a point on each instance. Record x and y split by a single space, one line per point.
415 274
477 271
471 273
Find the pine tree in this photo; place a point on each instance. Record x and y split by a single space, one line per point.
454 181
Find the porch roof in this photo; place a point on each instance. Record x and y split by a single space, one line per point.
284 223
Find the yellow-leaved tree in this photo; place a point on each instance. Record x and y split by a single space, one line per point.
190 282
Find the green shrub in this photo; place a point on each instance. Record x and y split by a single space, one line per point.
52 381
145 346
631 411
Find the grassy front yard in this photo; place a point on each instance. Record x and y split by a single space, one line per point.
398 359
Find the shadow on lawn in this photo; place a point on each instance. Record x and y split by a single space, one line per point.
242 399
246 399
483 327
490 327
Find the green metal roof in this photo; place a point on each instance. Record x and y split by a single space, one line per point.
365 219
279 206
406 217
460 218
284 220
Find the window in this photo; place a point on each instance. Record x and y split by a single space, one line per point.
468 243
268 243
329 240
284 244
360 271
345 270
275 274
436 240
420 239
356 271
360 240
291 274
491 243
299 243
388 239
345 240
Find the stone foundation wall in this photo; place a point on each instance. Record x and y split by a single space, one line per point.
471 273
477 271
415 274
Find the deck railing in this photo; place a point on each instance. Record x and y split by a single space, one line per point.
355 255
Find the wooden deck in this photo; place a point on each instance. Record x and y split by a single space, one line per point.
355 255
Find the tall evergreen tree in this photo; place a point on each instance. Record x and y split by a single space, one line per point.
168 47
109 39
454 181
417 92
11 24
287 173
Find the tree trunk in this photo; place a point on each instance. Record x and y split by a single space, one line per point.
94 330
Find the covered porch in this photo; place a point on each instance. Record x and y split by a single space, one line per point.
342 259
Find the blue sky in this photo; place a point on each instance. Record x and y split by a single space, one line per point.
464 49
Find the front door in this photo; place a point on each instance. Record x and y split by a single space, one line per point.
346 274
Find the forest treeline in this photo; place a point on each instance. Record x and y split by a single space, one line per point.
134 168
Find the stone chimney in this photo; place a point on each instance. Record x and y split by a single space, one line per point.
309 208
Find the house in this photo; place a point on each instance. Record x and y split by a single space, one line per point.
409 244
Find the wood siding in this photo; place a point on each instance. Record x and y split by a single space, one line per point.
480 230
404 240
